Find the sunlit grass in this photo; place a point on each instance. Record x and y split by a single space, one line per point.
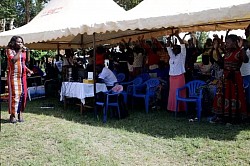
64 137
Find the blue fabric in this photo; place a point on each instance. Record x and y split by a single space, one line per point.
161 73
247 90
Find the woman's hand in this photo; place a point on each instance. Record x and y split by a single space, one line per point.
240 42
30 71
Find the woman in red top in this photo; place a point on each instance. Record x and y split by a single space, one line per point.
230 103
151 51
17 78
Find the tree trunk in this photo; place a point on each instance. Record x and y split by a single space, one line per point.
27 11
11 25
2 25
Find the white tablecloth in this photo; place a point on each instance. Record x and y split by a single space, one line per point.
80 90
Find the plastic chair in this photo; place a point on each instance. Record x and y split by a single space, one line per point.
144 76
194 94
120 77
129 87
110 99
147 91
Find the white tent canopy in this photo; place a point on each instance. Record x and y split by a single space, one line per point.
188 15
209 15
71 23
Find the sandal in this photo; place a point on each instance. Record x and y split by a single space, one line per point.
12 119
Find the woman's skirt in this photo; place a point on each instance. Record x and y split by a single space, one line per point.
174 83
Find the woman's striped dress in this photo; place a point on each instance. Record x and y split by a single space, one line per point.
17 84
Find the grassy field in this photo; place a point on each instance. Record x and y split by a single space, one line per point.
63 137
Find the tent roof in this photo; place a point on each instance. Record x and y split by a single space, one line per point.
212 15
61 21
71 23
162 16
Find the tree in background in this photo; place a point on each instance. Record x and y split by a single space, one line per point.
7 13
128 4
201 37
16 13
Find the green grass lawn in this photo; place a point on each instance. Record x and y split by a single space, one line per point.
63 137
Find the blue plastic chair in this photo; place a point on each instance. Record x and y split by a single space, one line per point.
128 90
101 104
110 100
144 76
120 77
147 91
194 94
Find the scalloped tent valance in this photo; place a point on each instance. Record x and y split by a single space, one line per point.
71 23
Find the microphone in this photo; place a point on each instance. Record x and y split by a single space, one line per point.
25 48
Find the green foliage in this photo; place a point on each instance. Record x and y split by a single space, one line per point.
39 54
16 9
128 4
7 9
201 37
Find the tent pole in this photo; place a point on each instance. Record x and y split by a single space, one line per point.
94 73
82 41
1 91
58 51
172 31
82 50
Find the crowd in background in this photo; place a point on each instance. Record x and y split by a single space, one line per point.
224 63
153 56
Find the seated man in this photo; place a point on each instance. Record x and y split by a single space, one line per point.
106 75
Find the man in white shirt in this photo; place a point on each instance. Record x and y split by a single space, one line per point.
245 72
177 60
106 76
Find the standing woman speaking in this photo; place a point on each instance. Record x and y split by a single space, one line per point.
16 77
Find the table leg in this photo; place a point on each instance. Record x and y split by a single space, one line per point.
64 102
81 108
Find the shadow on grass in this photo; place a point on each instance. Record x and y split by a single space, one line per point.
156 123
4 121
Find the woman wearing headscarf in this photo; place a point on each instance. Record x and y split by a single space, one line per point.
230 103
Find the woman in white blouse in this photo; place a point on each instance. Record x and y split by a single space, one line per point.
176 72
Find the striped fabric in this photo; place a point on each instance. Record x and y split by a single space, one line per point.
17 84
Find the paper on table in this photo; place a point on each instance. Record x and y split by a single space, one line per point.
90 75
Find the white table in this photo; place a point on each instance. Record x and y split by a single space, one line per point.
80 91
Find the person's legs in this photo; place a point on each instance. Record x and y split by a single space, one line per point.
21 109
247 90
12 110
